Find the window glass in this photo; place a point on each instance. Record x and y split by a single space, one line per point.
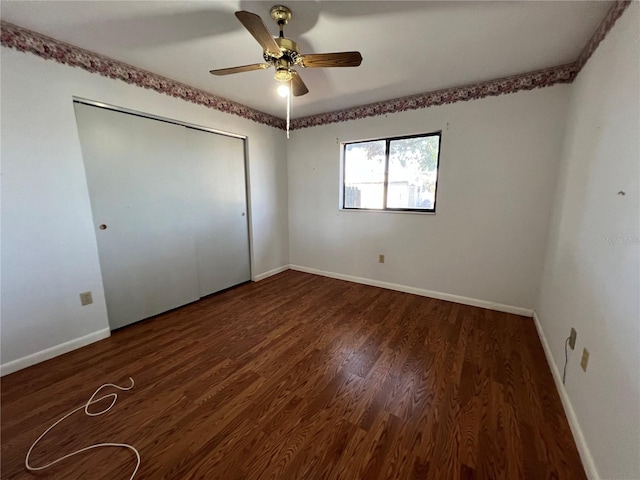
413 171
364 165
392 174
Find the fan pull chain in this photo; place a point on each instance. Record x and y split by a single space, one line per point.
289 107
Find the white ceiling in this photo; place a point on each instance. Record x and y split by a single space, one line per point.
407 47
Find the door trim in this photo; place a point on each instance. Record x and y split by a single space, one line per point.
108 106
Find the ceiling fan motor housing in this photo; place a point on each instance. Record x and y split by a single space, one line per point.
288 50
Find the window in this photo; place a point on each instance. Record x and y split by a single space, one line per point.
397 174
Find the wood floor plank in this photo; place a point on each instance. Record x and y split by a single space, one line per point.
302 377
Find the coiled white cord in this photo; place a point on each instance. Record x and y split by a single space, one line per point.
91 401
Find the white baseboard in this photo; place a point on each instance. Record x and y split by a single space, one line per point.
24 362
270 273
583 449
474 302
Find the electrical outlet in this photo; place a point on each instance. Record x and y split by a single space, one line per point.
585 359
381 258
86 298
572 338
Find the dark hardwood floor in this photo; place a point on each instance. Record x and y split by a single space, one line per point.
302 377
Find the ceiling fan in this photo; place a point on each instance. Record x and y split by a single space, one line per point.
282 53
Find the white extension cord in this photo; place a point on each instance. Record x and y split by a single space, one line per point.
91 401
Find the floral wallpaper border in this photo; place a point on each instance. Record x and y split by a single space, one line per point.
24 40
515 83
614 13
13 36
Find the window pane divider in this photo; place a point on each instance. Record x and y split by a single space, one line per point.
386 174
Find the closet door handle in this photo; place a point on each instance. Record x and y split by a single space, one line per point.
243 214
103 227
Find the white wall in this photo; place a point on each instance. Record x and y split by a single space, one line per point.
498 165
591 283
49 252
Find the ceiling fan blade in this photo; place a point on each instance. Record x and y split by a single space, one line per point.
258 29
297 85
320 60
243 68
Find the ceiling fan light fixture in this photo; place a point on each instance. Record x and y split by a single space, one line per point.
283 75
283 90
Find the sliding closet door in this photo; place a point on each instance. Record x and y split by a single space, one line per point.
140 190
220 208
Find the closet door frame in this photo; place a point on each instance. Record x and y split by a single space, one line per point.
244 138
94 103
